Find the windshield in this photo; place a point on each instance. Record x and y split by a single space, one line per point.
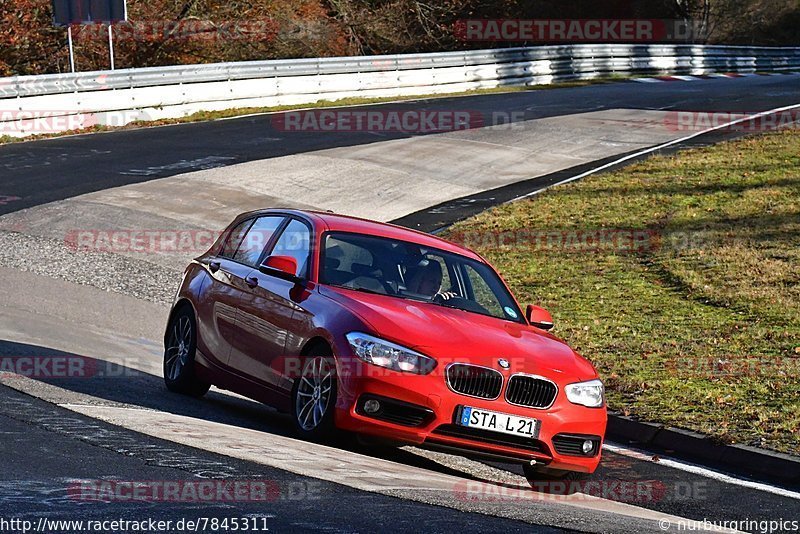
407 270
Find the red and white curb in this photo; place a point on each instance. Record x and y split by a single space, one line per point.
681 78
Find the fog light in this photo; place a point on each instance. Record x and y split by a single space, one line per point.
587 447
372 406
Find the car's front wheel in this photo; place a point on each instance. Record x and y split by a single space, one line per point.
314 398
179 352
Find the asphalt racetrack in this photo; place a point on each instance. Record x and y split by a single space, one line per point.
59 435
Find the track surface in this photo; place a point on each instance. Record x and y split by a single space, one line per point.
45 455
60 168
38 469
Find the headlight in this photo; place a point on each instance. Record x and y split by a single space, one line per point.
387 354
590 394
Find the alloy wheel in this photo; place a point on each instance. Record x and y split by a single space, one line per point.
178 351
314 393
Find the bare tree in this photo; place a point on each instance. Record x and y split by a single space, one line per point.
696 15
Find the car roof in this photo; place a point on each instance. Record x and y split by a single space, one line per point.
344 223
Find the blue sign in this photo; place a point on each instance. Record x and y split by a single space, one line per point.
68 12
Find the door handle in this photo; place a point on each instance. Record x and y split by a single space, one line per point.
251 281
214 266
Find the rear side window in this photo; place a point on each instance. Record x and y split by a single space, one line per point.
256 239
234 238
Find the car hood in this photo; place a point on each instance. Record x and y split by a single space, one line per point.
451 335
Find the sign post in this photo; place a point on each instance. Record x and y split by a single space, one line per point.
111 45
69 12
71 49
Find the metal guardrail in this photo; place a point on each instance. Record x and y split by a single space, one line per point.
178 90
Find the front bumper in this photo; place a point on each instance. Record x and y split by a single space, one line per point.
433 409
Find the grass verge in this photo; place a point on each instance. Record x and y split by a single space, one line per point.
696 325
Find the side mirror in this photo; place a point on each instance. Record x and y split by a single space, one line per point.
539 317
284 267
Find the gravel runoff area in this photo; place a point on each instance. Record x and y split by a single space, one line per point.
129 276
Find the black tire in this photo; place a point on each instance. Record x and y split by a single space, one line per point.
179 352
314 397
539 477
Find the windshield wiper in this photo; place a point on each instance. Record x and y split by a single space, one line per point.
364 290
370 291
444 304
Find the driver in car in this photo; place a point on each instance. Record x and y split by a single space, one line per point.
427 281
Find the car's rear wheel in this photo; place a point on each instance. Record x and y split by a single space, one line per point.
179 353
314 397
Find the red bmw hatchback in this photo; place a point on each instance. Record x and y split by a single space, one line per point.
355 325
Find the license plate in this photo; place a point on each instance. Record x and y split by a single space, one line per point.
499 422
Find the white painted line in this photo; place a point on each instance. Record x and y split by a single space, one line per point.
657 148
647 80
695 469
